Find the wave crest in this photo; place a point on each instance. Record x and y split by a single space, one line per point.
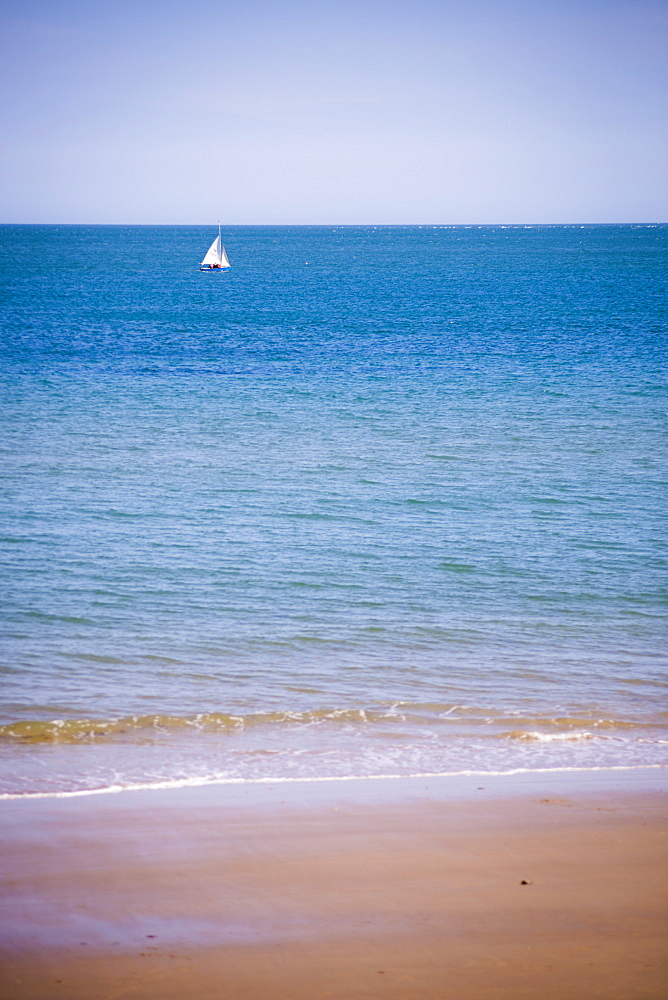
446 718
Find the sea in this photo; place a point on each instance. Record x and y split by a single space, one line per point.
378 500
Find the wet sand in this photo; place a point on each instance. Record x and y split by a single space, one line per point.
542 887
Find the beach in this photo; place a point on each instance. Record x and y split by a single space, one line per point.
333 625
333 522
498 886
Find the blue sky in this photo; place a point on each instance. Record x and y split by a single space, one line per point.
265 112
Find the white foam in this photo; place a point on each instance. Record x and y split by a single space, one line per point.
552 737
216 780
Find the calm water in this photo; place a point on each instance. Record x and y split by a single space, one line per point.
379 500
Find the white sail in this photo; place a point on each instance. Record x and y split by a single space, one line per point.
213 255
216 255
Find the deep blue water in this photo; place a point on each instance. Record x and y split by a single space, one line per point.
377 500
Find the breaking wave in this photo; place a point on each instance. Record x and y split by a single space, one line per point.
441 718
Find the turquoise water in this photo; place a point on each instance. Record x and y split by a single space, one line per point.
378 500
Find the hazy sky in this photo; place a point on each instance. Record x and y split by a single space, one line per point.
350 112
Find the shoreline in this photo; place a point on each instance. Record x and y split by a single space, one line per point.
446 776
504 886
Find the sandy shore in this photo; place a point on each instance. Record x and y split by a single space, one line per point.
545 887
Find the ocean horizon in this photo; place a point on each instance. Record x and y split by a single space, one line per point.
378 500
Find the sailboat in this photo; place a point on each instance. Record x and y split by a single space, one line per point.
216 258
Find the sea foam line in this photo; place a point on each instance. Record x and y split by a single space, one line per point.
207 782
